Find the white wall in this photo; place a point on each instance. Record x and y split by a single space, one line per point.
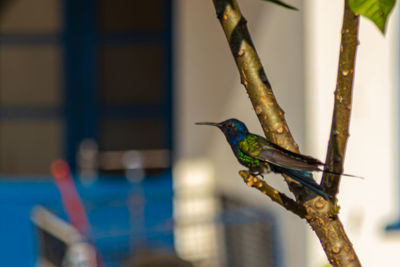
208 89
368 205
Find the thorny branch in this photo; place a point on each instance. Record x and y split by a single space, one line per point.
253 77
274 194
320 214
342 109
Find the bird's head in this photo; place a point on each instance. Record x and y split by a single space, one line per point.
234 130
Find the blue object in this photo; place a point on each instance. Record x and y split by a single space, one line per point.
123 216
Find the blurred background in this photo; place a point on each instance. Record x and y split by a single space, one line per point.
114 88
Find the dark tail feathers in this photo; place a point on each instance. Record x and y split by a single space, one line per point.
342 174
305 179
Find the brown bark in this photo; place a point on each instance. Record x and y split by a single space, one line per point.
274 194
253 77
342 109
320 214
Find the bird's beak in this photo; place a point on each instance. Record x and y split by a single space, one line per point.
208 123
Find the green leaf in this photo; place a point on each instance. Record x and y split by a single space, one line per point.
375 10
280 3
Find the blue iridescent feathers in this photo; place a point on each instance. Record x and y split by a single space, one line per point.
261 156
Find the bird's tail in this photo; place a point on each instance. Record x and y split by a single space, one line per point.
306 179
342 174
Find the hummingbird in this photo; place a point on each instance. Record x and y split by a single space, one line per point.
260 155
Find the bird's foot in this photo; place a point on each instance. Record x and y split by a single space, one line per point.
267 169
258 175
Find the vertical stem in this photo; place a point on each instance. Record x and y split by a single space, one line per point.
342 109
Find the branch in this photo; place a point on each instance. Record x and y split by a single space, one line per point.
252 73
274 194
343 93
253 77
322 216
325 222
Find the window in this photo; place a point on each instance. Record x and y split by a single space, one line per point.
75 70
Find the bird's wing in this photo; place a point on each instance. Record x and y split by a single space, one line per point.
261 149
